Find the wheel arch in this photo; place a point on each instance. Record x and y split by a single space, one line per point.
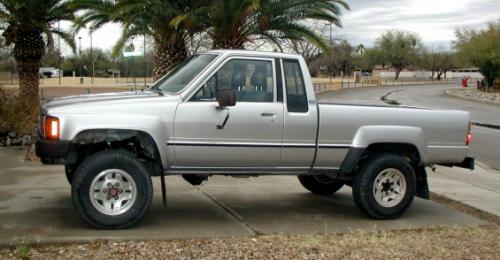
90 141
356 156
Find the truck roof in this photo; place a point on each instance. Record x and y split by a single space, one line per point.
256 53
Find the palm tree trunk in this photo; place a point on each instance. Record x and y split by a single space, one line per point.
28 52
167 56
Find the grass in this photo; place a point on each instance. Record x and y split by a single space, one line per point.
22 251
477 242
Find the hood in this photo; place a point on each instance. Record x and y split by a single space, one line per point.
99 102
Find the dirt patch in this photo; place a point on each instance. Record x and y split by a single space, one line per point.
449 243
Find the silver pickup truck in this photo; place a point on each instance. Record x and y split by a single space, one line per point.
245 113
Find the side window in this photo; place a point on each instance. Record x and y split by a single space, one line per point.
295 89
251 80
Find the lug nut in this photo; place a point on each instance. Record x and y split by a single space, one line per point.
104 190
117 184
109 184
120 191
108 197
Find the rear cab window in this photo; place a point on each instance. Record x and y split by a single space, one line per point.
295 87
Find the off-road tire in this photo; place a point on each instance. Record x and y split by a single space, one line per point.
69 174
97 163
311 183
363 189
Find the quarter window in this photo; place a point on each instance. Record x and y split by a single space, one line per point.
251 80
296 96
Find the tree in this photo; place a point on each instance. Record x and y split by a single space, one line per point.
481 48
398 48
341 61
360 48
232 23
446 63
27 24
145 17
370 58
102 62
302 46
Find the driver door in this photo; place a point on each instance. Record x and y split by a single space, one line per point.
252 134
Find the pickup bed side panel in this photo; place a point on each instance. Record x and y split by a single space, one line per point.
438 135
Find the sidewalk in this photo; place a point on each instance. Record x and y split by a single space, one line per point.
479 188
492 98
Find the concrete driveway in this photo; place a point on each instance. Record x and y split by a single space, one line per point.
35 205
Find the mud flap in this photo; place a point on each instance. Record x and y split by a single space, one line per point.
422 184
163 189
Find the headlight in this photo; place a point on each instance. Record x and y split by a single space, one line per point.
51 128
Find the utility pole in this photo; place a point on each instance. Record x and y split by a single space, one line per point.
145 64
91 57
331 41
59 51
331 45
330 32
80 55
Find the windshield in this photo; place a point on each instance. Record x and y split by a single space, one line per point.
177 79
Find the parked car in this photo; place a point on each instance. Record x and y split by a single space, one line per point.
243 113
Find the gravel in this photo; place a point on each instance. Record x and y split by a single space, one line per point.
475 94
479 242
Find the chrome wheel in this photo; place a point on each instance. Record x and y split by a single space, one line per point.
113 192
389 187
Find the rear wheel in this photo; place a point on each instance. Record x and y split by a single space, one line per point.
112 190
320 184
384 186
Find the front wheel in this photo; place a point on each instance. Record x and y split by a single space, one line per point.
384 186
69 174
112 190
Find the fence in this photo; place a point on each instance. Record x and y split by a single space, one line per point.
372 82
8 78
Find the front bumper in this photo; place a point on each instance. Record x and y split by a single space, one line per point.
51 150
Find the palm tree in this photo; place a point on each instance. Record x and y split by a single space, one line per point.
29 26
144 17
232 23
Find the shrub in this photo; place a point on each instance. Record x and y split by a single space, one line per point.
14 114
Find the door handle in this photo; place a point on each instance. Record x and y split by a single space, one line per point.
267 113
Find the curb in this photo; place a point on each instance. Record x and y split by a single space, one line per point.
390 101
489 102
486 167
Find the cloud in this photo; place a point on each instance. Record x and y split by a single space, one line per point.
434 20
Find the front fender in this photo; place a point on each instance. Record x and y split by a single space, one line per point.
72 125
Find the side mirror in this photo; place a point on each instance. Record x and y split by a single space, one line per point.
226 98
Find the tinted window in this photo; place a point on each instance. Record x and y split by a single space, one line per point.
251 80
295 89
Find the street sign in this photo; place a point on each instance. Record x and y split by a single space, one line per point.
132 53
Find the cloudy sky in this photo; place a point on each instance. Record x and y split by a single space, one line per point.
434 20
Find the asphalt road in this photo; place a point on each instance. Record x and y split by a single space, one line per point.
486 141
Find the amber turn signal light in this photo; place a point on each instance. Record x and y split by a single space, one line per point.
52 128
